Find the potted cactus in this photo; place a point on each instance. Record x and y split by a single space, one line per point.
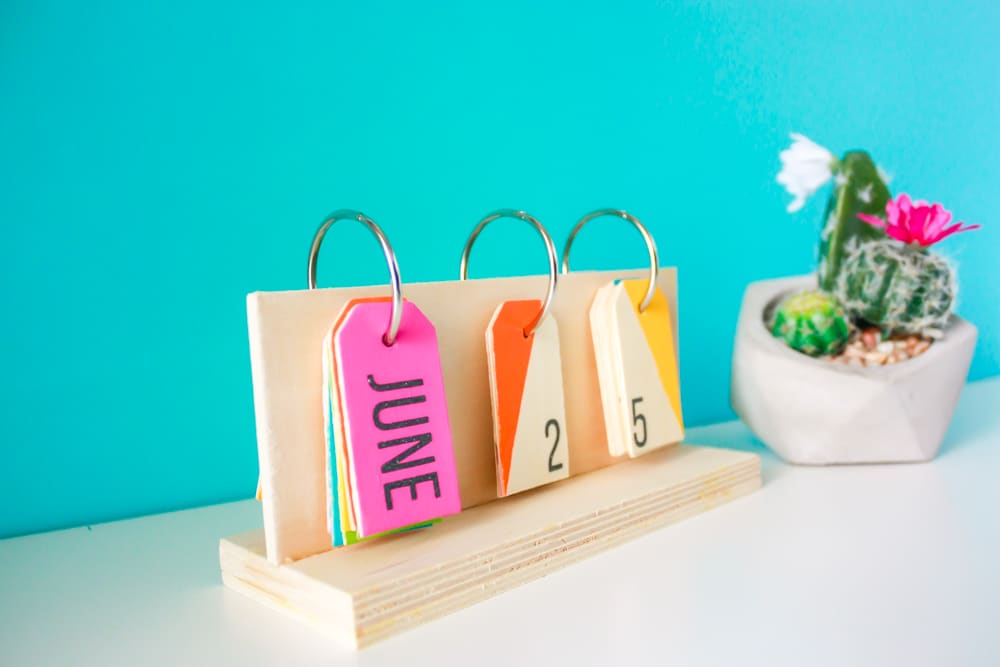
863 361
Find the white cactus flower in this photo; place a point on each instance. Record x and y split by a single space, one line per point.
805 168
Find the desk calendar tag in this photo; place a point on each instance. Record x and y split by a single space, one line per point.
640 363
338 512
333 478
526 387
605 343
339 515
395 420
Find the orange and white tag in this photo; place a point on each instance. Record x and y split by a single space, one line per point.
636 368
526 389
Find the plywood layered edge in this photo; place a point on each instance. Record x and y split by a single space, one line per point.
370 591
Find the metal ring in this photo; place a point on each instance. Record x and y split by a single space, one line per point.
550 247
390 258
654 263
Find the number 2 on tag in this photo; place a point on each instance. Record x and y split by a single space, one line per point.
526 388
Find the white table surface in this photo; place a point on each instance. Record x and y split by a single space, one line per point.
869 565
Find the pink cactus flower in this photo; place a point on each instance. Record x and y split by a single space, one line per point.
916 222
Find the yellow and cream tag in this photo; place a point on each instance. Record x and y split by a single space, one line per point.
637 368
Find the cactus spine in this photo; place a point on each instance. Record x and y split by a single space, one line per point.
812 322
858 189
901 288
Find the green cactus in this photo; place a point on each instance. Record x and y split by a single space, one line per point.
812 322
859 188
901 288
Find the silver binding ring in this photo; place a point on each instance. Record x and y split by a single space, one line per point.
390 258
654 263
550 247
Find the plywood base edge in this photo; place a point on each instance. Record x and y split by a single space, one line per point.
367 592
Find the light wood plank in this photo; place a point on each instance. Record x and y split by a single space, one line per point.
369 591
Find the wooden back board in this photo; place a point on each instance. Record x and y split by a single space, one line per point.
286 335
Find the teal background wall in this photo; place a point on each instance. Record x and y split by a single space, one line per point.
159 160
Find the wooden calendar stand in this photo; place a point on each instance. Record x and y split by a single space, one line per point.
372 590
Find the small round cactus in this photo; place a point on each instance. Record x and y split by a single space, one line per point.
899 287
812 322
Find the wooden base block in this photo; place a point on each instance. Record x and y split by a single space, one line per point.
370 591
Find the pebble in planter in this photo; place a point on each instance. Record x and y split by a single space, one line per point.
869 367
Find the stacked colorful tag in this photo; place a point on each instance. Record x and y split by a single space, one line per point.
636 368
526 388
390 463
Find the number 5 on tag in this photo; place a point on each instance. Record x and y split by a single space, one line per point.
636 368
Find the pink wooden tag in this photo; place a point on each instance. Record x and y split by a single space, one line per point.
395 419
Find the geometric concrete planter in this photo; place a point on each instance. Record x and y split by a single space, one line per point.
810 411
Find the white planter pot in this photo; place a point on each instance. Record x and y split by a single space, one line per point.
811 411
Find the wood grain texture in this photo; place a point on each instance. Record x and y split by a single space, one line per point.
286 332
369 591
